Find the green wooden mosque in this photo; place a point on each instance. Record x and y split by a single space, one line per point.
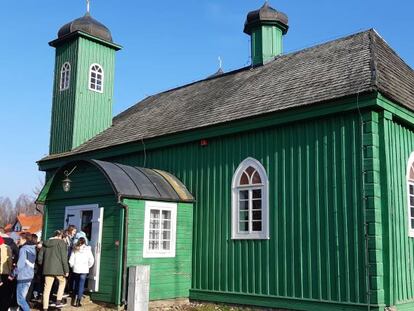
288 183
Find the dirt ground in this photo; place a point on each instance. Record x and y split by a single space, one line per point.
178 306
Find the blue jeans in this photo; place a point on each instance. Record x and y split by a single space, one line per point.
21 293
80 284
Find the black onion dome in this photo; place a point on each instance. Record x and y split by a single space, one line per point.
266 15
88 25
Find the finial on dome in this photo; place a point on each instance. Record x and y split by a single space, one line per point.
88 7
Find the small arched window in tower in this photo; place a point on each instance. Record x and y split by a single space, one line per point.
410 195
65 76
96 78
250 201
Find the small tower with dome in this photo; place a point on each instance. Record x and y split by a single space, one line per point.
266 27
83 83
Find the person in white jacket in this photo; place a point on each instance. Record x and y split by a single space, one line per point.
81 260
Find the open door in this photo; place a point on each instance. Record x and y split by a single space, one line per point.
89 219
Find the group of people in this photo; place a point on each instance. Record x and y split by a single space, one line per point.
29 268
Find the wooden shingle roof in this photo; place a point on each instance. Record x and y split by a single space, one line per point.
359 63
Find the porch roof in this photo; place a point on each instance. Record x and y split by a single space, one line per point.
131 182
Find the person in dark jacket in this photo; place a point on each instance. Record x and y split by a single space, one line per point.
54 257
24 270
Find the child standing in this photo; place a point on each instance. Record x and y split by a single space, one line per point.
81 260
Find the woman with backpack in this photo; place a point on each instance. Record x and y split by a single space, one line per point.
81 260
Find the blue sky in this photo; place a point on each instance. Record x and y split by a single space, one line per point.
165 44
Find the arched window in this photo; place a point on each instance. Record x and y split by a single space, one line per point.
410 194
65 76
96 78
250 211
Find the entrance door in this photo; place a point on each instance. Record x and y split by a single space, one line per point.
89 219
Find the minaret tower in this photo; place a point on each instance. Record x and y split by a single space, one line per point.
83 84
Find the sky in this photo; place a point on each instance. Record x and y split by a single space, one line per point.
165 44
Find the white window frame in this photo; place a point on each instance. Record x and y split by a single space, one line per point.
90 78
251 235
65 71
161 206
409 182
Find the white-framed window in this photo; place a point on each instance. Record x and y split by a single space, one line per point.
96 78
410 195
64 77
160 229
250 210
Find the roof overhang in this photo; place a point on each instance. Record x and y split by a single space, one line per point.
129 182
59 41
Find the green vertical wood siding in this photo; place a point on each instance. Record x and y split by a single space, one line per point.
78 113
266 44
398 144
316 251
93 110
170 277
373 196
63 108
89 186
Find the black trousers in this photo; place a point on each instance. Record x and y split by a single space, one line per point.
6 293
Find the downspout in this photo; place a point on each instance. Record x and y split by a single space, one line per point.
124 253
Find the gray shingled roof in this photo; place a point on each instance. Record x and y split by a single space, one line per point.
361 62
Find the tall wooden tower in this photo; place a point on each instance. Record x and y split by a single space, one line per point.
83 83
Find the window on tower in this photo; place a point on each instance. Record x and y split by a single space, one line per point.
96 78
65 76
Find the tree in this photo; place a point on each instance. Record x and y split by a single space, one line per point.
7 211
25 205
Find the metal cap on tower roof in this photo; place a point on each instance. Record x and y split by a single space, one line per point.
88 25
266 15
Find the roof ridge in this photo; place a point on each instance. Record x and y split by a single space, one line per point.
373 58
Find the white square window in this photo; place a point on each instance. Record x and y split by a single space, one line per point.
160 229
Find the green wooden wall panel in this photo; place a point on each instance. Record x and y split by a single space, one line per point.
93 105
63 114
170 277
398 145
316 248
90 187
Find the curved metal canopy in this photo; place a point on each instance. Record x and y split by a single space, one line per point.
133 182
